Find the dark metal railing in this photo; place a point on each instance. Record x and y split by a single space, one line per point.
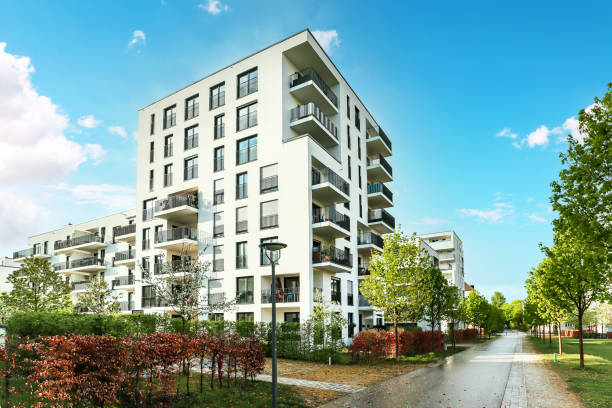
242 190
218 230
310 109
89 261
176 233
153 302
381 215
171 202
219 131
247 121
168 150
380 188
380 160
123 281
126 306
330 214
124 230
191 141
368 238
125 255
282 295
336 296
382 135
80 285
192 110
328 253
309 74
329 176
147 214
85 239
241 261
363 270
219 163
167 179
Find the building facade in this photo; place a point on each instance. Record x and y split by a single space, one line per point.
449 247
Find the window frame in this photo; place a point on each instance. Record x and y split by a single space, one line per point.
248 82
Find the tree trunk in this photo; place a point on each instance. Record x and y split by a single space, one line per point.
580 312
212 372
432 337
559 336
549 335
396 340
201 373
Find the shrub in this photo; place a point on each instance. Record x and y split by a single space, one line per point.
466 334
373 345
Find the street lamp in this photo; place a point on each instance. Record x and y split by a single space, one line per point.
273 247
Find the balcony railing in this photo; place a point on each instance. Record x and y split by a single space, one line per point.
124 230
328 253
380 160
167 179
446 255
269 183
382 135
219 163
175 234
310 109
330 214
60 266
328 176
216 298
363 270
153 302
309 74
180 200
80 285
269 221
85 239
218 230
380 188
147 214
282 295
242 191
241 261
123 281
191 141
89 261
191 111
248 154
247 120
24 253
381 215
369 238
125 255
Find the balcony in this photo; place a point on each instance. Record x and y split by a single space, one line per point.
379 196
177 239
125 233
310 119
83 244
379 169
446 256
381 221
363 270
308 86
86 265
122 281
149 302
368 242
125 258
329 188
36 252
176 266
283 296
80 285
378 143
330 224
331 259
182 208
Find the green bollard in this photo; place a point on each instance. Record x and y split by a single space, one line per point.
555 357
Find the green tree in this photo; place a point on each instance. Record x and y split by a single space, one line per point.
327 321
475 309
514 314
5 310
495 320
98 297
498 299
438 297
37 288
393 284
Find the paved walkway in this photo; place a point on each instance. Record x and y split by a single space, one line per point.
313 384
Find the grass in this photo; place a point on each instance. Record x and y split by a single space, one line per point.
593 384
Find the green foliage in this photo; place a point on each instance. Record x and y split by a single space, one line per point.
37 287
514 314
98 297
498 299
439 298
474 309
496 320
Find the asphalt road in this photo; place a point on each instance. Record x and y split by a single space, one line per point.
474 378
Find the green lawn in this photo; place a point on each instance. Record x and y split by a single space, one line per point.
593 384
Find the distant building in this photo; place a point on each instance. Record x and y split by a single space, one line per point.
7 266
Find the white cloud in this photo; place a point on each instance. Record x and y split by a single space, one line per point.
32 144
88 121
536 218
506 132
213 7
503 205
20 217
538 137
138 36
327 39
117 130
493 216
107 196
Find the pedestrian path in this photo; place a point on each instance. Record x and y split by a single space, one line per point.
313 384
515 395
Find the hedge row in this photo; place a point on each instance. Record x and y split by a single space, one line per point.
374 344
466 334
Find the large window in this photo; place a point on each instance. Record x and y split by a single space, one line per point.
247 83
219 197
192 107
218 226
335 290
244 290
146 238
245 316
292 317
151 180
168 146
218 261
151 152
268 178
148 296
167 175
217 96
219 130
357 118
219 158
246 150
269 214
349 293
242 186
147 209
247 116
348 136
191 137
169 117
152 130
241 255
242 221
145 266
191 168
262 253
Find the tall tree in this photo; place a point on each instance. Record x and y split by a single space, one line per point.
498 299
475 309
439 298
98 297
393 284
37 288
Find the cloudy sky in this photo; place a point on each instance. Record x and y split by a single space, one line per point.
477 99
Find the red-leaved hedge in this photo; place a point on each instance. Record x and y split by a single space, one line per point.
374 345
466 334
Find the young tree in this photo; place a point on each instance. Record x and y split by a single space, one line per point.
98 297
5 310
514 314
326 320
438 297
498 299
475 309
603 313
37 288
393 284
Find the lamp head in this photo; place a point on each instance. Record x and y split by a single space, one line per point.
272 246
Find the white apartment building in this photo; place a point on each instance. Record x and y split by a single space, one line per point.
99 247
449 247
7 267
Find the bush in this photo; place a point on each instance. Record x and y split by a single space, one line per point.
466 334
373 345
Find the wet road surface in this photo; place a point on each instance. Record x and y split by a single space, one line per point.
474 378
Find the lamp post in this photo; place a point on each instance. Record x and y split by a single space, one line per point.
273 247
453 327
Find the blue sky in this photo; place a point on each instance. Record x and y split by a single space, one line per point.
476 98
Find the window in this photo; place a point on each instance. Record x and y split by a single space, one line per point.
349 293
348 159
219 158
262 253
219 196
146 238
192 107
147 209
247 83
167 175
292 317
357 119
151 181
169 117
246 150
168 146
242 186
191 137
245 316
242 223
152 124
348 106
219 130
151 152
358 147
157 260
244 290
359 170
148 296
348 136
246 117
218 264
215 317
268 178
351 325
217 96
218 227
269 214
191 168
360 207
335 290
241 255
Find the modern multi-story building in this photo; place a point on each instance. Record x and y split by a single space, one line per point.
7 267
449 247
